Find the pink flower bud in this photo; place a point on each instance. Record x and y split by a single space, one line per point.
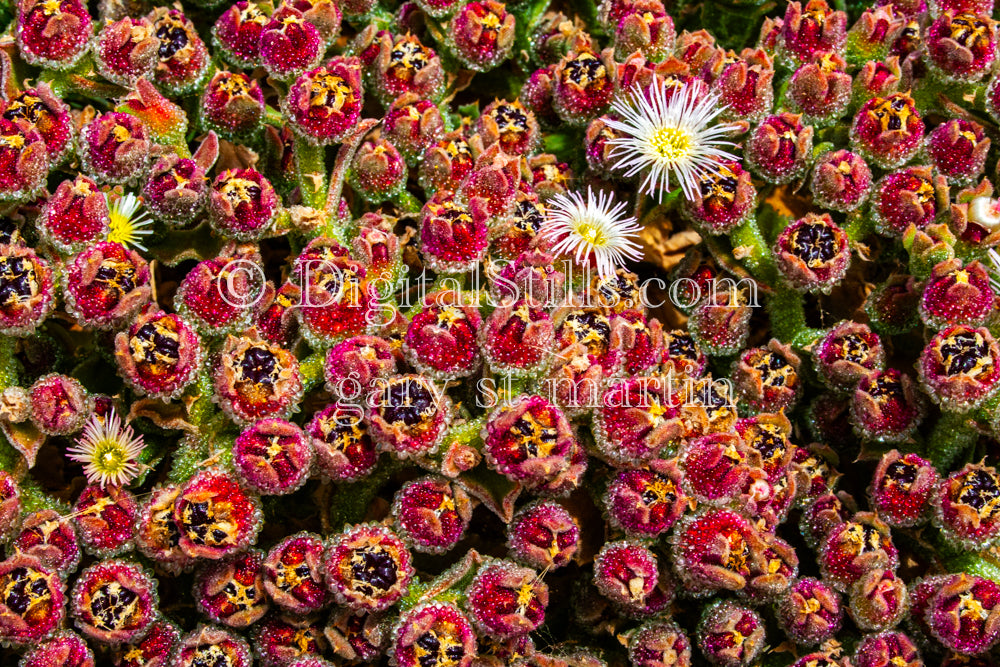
51 34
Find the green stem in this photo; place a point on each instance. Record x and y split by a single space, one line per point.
756 253
857 228
788 318
273 117
406 202
310 163
311 370
8 362
952 434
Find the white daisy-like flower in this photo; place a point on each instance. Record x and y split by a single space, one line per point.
668 133
108 450
593 228
126 227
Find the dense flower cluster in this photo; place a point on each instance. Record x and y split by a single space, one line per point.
457 333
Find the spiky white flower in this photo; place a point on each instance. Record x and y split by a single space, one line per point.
108 450
668 133
597 227
125 226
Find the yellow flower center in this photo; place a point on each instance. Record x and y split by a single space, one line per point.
110 457
672 143
591 233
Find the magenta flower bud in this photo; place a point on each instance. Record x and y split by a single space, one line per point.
378 171
453 237
506 600
431 513
780 148
723 200
59 404
413 125
878 601
770 34
408 415
682 357
215 517
715 467
921 592
938 7
51 539
877 79
854 548
242 204
645 27
659 644
626 573
106 285
886 407
597 143
745 86
54 35
520 232
441 340
510 124
42 111
967 511
344 449
27 286
533 275
960 367
961 46
841 181
208 644
286 639
713 550
964 615
888 131
324 104
355 637
289 44
820 89
254 379
106 520
236 34
337 300
368 568
24 160
814 28
767 378
892 306
293 574
957 295
557 35
184 58
158 537
810 613
543 535
64 649
32 601
433 634
114 601
639 417
75 216
404 65
176 190
904 198
721 325
584 84
275 319
232 104
887 649
126 50
646 502
445 163
273 457
116 148
958 149
529 440
730 634
482 34
903 489
847 353
153 650
537 96
812 253
10 504
493 181
641 342
517 338
231 591
214 295
355 365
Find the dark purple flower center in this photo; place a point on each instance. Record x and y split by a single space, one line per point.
18 281
113 606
